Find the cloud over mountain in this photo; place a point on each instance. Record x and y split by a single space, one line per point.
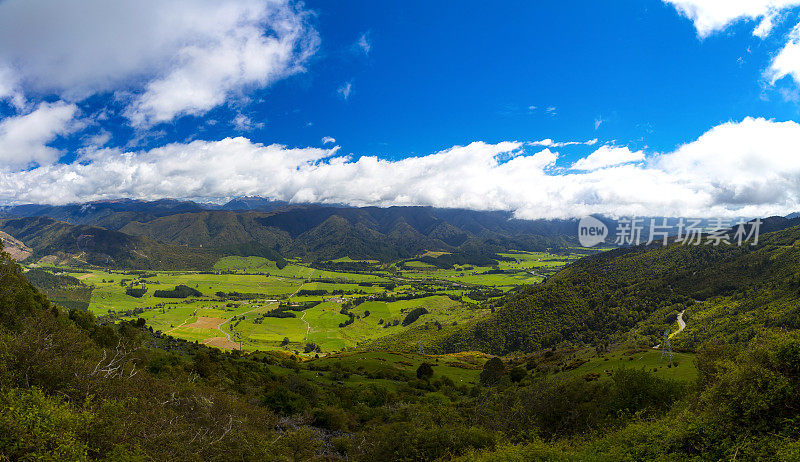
737 168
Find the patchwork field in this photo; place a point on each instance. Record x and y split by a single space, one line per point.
250 303
521 268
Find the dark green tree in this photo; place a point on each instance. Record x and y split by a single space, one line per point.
517 373
425 371
492 372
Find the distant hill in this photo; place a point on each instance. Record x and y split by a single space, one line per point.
310 232
93 245
107 214
316 232
16 248
253 203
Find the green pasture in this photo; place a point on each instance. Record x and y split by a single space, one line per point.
638 359
372 362
319 324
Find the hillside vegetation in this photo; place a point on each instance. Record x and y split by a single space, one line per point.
72 389
731 294
181 235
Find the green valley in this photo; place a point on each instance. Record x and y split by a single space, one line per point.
322 306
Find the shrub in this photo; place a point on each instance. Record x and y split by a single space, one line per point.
424 371
414 315
180 291
135 292
492 372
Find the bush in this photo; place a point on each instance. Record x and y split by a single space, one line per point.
492 372
311 346
517 374
414 315
181 291
331 418
424 371
135 292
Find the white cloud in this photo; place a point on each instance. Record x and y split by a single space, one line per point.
9 87
328 139
547 142
99 139
177 57
751 163
245 124
24 138
787 61
711 16
345 90
364 44
597 122
608 156
747 168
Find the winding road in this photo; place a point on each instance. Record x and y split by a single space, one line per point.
681 324
308 326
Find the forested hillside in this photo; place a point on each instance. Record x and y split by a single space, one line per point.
80 244
74 389
122 232
729 293
315 232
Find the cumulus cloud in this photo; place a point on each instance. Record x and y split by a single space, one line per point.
173 58
747 168
607 156
328 139
24 138
9 87
711 16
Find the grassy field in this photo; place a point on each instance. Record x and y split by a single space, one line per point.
320 324
649 360
464 368
230 312
210 316
522 268
461 368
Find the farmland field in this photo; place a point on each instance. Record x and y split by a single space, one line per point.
250 303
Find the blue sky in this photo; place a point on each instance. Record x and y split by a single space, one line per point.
437 75
645 96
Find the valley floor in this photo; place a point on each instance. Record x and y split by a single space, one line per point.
330 308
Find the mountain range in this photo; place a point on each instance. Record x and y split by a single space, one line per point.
128 232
